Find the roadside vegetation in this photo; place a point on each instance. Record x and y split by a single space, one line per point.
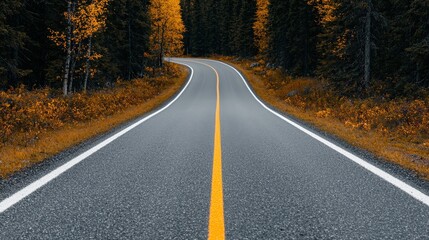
38 124
70 70
394 129
357 69
357 66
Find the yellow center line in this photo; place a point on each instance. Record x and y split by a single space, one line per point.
216 229
216 217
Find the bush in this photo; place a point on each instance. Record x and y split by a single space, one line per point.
25 114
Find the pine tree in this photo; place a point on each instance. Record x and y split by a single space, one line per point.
293 29
247 18
187 21
225 26
279 42
125 43
418 51
221 27
347 42
241 28
196 30
12 42
39 53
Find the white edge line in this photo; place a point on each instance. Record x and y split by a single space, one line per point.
26 191
415 193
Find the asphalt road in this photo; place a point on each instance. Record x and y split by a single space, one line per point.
154 179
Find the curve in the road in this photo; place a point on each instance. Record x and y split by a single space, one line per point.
26 191
269 180
415 193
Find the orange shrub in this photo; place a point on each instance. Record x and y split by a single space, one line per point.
398 117
25 114
408 118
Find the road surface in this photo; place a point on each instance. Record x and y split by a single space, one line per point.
214 163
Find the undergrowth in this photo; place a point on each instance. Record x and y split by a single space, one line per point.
398 117
26 116
396 129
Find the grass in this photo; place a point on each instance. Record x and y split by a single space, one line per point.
36 125
395 130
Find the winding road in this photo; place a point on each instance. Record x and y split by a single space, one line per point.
215 163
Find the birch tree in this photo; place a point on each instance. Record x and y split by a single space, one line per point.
167 28
84 18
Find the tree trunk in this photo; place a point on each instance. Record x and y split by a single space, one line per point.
306 50
142 68
161 50
74 57
367 77
88 64
68 48
71 73
129 48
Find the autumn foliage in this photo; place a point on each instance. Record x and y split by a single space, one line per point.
167 28
396 129
84 19
400 117
24 115
260 26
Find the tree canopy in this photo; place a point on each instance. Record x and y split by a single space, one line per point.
78 44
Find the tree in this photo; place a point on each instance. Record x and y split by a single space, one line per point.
242 37
196 28
418 51
293 29
89 20
125 42
348 41
84 19
167 28
220 27
248 16
187 20
260 27
12 41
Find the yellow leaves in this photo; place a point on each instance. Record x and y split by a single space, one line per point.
29 113
5 105
324 113
326 9
89 19
167 27
404 118
260 26
58 38
341 44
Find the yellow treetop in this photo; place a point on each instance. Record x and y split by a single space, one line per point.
88 19
326 9
167 26
260 25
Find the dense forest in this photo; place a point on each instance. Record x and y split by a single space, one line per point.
78 44
357 45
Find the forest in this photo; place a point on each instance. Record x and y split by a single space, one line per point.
73 69
342 65
358 45
78 44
